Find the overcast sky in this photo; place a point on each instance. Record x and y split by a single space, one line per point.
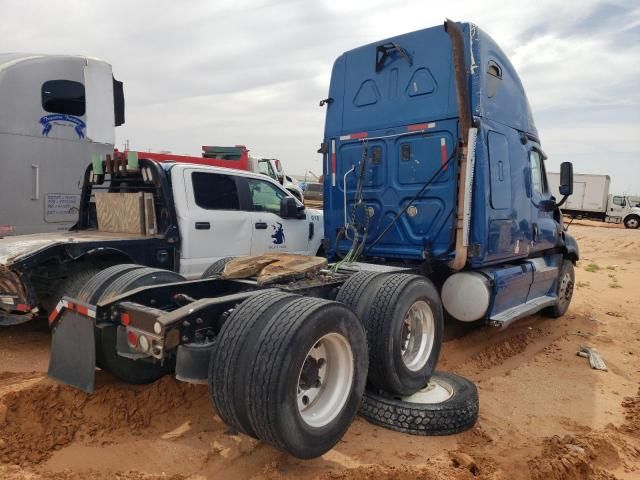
252 72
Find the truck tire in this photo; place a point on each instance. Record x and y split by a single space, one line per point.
91 291
307 376
356 291
564 290
632 221
447 405
235 343
126 369
70 286
140 277
217 267
404 324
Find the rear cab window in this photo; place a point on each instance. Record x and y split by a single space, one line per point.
213 191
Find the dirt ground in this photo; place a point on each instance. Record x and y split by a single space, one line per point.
544 413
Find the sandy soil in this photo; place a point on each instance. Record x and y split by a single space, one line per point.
544 413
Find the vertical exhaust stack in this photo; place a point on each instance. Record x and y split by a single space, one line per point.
464 108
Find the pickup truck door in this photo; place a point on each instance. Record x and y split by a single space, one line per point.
271 232
212 226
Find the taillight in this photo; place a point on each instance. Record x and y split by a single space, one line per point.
132 338
125 319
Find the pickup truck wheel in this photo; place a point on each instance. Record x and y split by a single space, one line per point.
632 221
217 267
307 376
235 343
126 369
91 291
448 404
564 290
141 277
356 291
404 323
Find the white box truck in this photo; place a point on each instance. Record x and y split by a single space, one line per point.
591 199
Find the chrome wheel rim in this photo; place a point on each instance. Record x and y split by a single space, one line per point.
434 392
325 379
418 331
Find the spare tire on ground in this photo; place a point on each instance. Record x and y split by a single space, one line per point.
447 405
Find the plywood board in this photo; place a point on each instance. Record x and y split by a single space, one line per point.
120 212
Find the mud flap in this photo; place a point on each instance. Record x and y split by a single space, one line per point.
73 351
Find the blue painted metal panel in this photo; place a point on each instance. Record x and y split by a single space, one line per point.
511 285
499 171
419 89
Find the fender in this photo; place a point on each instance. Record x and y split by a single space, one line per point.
570 248
76 254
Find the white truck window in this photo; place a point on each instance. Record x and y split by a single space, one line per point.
265 196
619 201
213 191
64 96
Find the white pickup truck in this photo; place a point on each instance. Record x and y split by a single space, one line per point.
200 214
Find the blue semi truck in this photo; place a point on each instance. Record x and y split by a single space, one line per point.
436 207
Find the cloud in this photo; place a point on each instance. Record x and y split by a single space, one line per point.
252 72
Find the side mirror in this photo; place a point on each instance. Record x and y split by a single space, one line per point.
566 178
288 208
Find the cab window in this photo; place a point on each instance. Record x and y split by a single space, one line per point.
265 197
63 96
538 184
213 191
619 201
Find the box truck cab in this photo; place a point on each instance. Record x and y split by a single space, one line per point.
56 111
432 157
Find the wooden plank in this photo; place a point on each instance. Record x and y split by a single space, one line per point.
120 212
273 267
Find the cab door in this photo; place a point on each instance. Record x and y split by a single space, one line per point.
212 226
617 206
271 232
545 230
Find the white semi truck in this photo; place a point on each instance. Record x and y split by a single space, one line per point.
56 111
591 199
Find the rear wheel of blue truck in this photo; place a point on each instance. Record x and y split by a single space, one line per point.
404 324
107 358
564 290
357 290
235 345
140 371
307 376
